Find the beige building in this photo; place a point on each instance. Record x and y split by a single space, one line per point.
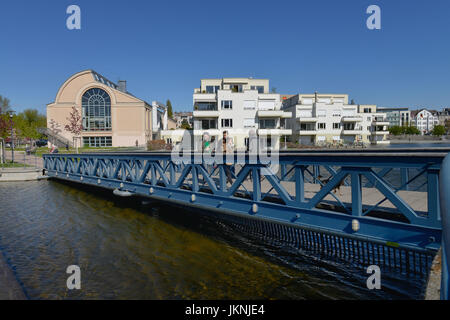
111 116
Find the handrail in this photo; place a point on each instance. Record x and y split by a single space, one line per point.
444 179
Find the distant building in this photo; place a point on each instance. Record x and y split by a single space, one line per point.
397 116
181 117
424 120
444 116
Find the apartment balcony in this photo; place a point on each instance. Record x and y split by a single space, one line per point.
199 97
381 122
275 131
307 132
273 114
351 132
211 132
352 119
206 113
380 132
307 119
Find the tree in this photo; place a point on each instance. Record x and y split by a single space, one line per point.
395 130
28 122
185 125
410 130
438 131
352 102
75 125
169 109
5 106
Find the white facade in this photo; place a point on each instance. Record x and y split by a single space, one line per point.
238 105
319 119
425 121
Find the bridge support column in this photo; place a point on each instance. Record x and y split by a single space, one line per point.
444 182
300 183
356 194
434 214
404 173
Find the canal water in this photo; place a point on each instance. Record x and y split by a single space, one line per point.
128 249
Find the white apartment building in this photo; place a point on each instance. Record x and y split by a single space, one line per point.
238 105
424 120
328 118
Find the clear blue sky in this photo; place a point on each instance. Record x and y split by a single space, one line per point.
164 48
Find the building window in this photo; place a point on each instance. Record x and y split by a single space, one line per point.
336 113
208 124
227 104
321 125
249 104
97 141
259 88
212 89
336 125
307 126
96 110
205 106
236 87
267 124
227 123
367 110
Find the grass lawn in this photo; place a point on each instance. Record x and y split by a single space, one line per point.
44 150
13 165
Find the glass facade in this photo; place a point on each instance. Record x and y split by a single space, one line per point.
97 141
96 110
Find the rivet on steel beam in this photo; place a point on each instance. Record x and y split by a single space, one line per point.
255 208
193 198
81 178
99 181
355 225
56 173
297 215
121 185
67 175
151 191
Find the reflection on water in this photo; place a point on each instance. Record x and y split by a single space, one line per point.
133 251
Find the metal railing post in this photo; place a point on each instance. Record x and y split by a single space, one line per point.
444 181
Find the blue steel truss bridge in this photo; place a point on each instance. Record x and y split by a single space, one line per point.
386 207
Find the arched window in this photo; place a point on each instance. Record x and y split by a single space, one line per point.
96 108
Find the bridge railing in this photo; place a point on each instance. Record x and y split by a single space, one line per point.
445 210
399 227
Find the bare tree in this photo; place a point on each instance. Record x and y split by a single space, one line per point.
75 125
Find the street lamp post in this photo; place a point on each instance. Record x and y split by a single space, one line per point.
12 137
